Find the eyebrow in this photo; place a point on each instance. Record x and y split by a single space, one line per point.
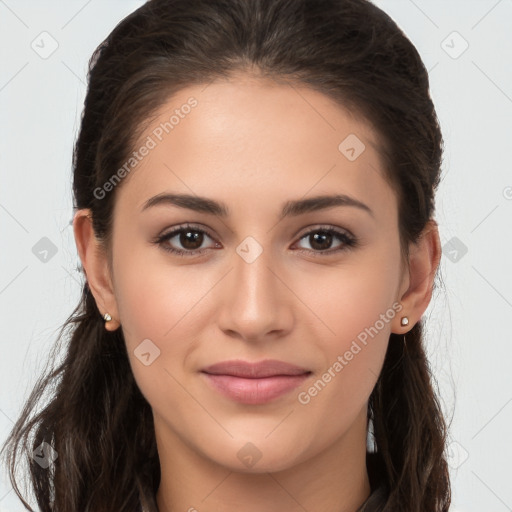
289 209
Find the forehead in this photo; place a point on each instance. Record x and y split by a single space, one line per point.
249 137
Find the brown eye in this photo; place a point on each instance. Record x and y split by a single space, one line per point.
322 239
188 239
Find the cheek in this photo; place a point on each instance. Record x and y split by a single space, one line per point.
353 360
351 297
160 303
156 299
355 306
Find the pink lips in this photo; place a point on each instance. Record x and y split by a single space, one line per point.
255 383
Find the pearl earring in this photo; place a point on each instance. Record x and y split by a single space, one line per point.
404 321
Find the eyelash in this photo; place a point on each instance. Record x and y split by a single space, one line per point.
349 241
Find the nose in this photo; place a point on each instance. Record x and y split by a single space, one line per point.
254 299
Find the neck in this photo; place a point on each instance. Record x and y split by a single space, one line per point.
334 480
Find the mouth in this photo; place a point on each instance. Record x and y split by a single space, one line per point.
254 383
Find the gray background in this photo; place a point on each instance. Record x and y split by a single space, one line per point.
469 340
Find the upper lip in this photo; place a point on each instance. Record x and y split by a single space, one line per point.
246 369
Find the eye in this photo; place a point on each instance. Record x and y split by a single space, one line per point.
322 238
190 237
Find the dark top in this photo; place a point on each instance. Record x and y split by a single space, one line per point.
379 489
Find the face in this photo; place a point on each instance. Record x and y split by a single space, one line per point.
317 287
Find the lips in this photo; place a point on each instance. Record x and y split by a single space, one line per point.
254 383
247 370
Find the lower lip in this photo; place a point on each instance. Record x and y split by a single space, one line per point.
255 391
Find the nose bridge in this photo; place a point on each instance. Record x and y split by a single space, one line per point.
254 301
252 272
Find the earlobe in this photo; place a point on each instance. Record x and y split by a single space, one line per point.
424 257
95 265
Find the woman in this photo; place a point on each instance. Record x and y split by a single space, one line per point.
254 213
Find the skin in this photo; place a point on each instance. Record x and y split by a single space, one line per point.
254 144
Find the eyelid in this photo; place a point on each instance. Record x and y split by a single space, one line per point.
323 227
187 225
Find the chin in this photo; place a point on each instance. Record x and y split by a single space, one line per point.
254 457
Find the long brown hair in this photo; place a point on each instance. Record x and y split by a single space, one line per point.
95 418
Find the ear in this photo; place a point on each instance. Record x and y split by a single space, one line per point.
416 290
95 263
